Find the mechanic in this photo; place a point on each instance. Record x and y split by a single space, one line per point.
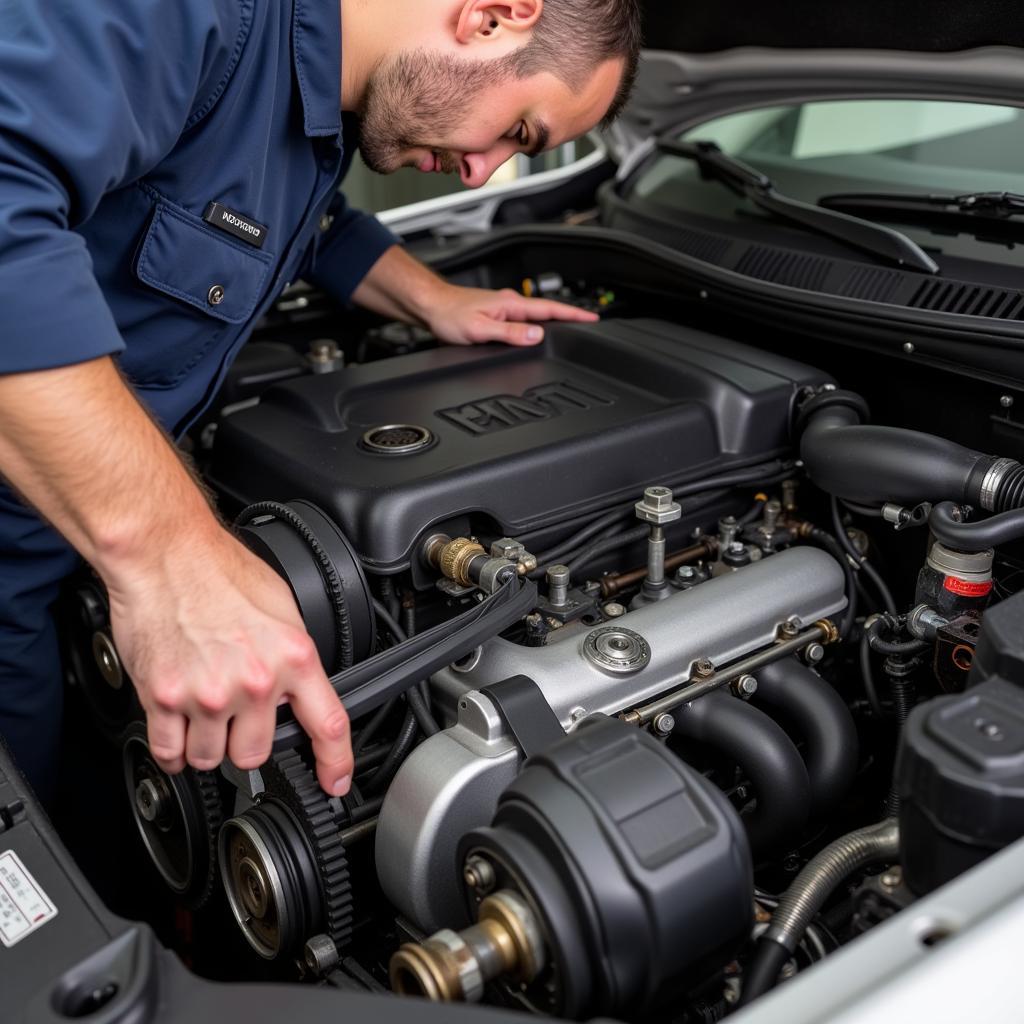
166 168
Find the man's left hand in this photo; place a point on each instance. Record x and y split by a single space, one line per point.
471 316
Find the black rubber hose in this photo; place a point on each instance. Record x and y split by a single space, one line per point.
799 904
822 719
765 754
979 536
871 464
880 646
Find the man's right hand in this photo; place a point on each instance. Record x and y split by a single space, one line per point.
210 634
214 643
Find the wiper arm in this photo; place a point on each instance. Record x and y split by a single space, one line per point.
744 180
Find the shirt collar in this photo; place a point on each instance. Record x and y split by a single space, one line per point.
316 44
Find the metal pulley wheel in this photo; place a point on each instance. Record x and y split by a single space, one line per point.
178 818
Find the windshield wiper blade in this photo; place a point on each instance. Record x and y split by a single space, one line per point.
882 242
987 204
989 216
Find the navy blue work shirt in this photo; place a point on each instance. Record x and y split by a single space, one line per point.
121 121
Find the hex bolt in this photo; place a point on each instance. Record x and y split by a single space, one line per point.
686 573
479 875
321 955
745 686
892 879
704 667
657 509
613 609
577 714
664 724
813 653
559 577
789 628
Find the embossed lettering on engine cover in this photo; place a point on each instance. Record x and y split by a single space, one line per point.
502 412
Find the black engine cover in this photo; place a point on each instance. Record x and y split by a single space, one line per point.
523 437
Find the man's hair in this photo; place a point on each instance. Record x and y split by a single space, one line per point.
573 37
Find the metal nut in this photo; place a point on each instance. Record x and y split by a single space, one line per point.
613 609
479 875
658 507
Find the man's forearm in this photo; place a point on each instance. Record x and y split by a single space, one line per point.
78 446
401 287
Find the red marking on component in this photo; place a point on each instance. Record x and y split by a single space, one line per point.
41 917
963 588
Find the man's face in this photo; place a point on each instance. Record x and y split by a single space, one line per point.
461 116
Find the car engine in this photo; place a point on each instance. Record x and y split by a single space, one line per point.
670 674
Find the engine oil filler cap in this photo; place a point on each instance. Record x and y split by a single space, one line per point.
397 439
616 650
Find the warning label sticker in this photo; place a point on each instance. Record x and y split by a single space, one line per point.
24 907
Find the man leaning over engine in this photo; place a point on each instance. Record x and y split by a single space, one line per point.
166 168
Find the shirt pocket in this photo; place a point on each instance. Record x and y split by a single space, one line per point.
220 280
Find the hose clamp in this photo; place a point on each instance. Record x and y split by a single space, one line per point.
993 478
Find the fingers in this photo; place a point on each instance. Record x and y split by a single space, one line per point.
206 742
510 332
251 736
320 713
521 308
166 732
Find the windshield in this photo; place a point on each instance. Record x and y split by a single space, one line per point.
811 150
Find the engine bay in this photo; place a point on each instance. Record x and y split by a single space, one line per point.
673 666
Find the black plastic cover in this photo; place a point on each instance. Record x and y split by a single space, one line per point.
523 437
960 777
638 866
1000 651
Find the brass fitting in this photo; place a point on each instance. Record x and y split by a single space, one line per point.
456 966
453 559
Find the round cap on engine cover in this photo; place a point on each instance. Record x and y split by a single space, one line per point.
397 439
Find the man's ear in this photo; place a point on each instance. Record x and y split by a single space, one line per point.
490 19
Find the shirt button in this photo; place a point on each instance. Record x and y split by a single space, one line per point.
326 221
215 296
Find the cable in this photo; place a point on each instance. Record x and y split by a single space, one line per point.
417 705
868 676
861 560
601 546
862 510
398 753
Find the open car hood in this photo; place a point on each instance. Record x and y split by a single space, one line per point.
676 90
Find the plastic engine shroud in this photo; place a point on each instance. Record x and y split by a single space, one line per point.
527 437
